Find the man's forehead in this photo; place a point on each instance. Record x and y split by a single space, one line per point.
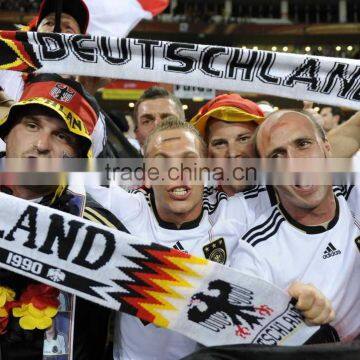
215 126
173 135
168 138
64 16
281 121
165 103
283 118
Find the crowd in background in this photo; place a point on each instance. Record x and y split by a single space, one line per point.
24 6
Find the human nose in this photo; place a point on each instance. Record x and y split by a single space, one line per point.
43 142
235 150
293 152
157 120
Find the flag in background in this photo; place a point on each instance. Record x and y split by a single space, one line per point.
118 17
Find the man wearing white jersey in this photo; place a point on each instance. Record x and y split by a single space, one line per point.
313 234
180 214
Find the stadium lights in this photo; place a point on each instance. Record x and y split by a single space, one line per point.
320 48
131 104
274 48
255 48
338 48
349 48
307 48
185 107
285 48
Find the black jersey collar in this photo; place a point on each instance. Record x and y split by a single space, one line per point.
171 226
312 229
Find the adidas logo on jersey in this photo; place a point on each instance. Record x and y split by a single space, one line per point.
331 251
178 246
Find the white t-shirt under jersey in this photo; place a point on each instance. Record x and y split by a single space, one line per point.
327 258
134 340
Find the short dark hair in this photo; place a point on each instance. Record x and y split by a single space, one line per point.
157 92
335 111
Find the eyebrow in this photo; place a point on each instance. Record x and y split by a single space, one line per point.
30 116
294 141
280 148
150 114
218 139
35 118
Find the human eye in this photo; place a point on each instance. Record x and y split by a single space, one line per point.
277 155
244 138
31 125
69 29
147 121
65 138
218 143
304 143
49 23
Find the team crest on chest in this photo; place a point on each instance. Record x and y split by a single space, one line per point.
216 251
357 242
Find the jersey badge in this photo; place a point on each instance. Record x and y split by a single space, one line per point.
216 251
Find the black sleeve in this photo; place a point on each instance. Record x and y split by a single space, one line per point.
90 330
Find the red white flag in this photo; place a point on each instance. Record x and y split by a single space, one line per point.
119 17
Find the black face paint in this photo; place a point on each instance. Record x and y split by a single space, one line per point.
58 11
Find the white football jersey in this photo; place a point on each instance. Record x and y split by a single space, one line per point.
257 199
328 258
213 235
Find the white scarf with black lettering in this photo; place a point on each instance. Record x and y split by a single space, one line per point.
157 284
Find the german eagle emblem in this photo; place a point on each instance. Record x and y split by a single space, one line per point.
227 305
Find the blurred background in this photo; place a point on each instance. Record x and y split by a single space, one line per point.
318 27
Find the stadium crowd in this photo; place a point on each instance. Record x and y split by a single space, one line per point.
22 5
303 238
